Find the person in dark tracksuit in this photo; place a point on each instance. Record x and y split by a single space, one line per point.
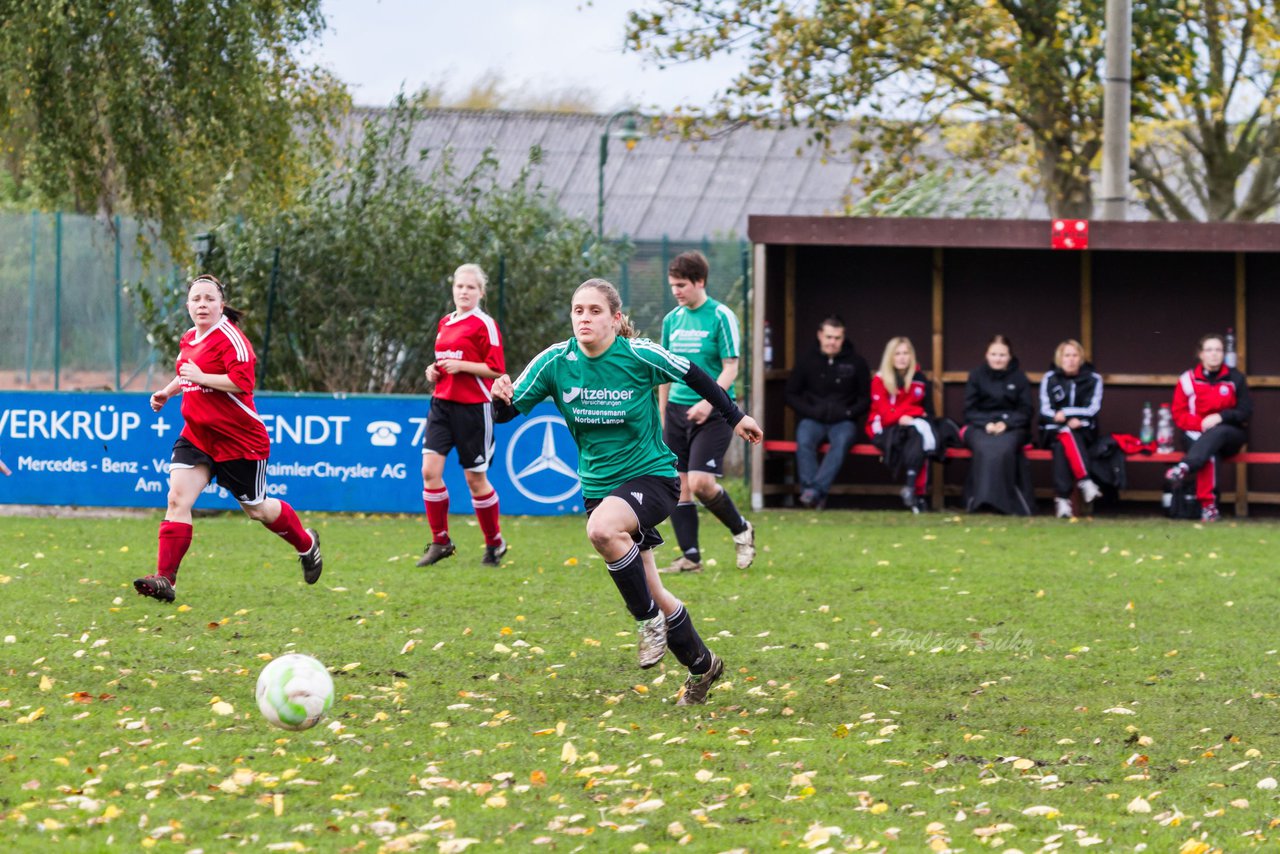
997 414
829 389
1212 407
1070 399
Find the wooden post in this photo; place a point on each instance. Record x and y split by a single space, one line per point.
789 333
759 287
1086 301
939 397
1242 470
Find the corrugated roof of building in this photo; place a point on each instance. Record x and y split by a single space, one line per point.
663 186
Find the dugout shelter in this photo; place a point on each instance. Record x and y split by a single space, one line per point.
1138 295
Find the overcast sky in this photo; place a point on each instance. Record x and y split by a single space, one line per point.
545 46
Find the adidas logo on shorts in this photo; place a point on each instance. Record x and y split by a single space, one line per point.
711 464
638 496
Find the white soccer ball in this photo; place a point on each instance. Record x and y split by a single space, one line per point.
295 691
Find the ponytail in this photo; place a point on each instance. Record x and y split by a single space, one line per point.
625 329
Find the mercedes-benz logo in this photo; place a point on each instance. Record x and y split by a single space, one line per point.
546 461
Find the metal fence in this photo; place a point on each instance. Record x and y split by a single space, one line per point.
68 286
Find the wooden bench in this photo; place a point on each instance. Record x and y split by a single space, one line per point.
779 446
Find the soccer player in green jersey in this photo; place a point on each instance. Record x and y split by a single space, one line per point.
602 381
704 331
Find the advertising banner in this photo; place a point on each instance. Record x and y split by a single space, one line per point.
350 453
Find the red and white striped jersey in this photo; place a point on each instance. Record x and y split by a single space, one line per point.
224 425
471 337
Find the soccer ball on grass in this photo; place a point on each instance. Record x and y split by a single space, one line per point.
295 691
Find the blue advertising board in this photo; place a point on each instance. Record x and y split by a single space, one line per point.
328 452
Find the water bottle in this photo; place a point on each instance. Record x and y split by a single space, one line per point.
768 347
1147 434
1230 344
1164 431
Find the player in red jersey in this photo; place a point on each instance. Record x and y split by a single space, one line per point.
222 437
469 357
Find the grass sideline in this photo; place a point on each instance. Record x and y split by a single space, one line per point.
892 682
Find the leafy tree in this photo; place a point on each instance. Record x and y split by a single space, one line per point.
158 107
1023 77
365 257
1214 127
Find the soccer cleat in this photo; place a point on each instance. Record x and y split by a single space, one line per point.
745 545
681 564
155 586
653 640
312 562
1210 513
493 554
1176 474
697 686
437 552
1089 490
808 498
1062 508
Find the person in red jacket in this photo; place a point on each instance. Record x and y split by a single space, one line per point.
901 421
222 437
469 358
1212 407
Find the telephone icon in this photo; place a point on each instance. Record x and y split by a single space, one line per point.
383 433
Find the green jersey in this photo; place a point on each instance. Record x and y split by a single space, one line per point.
706 336
609 404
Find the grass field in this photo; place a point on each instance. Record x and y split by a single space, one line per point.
944 682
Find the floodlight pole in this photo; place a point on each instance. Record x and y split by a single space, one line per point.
631 135
1115 111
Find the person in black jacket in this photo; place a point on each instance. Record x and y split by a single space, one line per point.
1070 399
830 389
997 414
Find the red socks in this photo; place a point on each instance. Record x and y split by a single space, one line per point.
436 502
486 507
288 526
174 540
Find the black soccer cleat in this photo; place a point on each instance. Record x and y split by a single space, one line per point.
155 586
437 552
493 554
312 562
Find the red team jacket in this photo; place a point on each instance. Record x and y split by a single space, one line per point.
887 410
471 337
224 425
1198 395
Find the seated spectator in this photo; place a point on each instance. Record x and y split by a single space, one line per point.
1212 406
901 422
997 414
828 388
1070 398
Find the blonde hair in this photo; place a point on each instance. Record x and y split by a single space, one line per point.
1070 342
613 300
887 374
475 270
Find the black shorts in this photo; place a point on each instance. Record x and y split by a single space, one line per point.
465 426
246 480
698 447
652 498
